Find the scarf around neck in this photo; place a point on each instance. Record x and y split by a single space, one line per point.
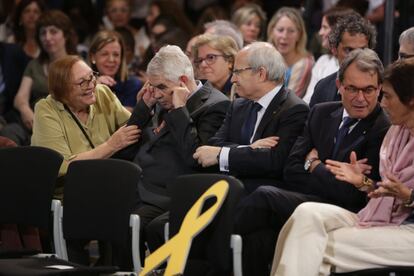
396 158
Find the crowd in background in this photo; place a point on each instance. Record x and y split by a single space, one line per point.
104 68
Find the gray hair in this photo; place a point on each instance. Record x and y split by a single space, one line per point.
224 27
352 24
366 60
407 37
263 54
171 63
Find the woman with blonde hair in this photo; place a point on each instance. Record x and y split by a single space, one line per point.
107 57
251 20
286 31
213 57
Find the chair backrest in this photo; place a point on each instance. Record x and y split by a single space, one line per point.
28 176
99 196
213 243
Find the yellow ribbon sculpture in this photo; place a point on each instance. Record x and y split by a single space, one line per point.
178 247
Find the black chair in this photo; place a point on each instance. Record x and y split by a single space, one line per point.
28 176
99 197
211 250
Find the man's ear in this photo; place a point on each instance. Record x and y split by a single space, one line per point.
263 73
184 79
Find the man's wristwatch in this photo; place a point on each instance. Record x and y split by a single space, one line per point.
366 185
308 163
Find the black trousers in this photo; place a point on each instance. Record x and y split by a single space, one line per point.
259 218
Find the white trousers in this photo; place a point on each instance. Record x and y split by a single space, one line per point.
319 238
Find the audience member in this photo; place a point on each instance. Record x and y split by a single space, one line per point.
406 44
24 26
85 22
190 113
349 33
326 136
251 20
339 240
326 64
107 57
260 127
210 14
214 59
118 14
286 31
54 34
80 119
170 9
224 27
13 61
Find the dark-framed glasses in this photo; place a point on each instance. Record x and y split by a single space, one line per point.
237 72
367 91
209 59
85 83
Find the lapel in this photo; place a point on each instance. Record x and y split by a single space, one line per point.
357 135
331 124
272 112
198 99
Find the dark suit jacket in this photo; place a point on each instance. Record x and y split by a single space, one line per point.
13 61
284 117
321 127
169 154
325 91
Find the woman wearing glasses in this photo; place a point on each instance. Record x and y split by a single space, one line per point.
80 119
107 57
214 58
321 238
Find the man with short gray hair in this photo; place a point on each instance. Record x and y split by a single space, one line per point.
261 126
189 113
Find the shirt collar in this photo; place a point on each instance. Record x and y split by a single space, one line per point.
199 86
268 97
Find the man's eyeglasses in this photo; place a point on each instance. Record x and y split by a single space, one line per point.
404 56
209 59
367 91
85 83
237 72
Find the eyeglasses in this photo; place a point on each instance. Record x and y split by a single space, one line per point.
367 91
86 82
209 59
237 72
404 56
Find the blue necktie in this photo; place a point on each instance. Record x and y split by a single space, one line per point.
250 123
340 135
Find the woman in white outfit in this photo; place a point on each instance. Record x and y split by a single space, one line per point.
321 238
